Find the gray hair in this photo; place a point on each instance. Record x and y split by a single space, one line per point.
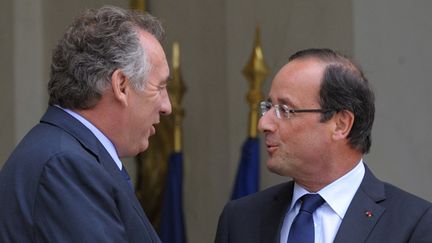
97 43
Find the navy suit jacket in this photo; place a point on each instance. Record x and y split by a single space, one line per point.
61 185
396 216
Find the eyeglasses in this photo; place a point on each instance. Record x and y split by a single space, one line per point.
284 110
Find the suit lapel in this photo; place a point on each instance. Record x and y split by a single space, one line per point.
364 211
272 219
109 164
112 168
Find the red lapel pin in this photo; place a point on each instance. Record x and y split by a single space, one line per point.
368 214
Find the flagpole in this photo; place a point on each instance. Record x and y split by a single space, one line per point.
151 165
255 72
177 89
247 178
172 228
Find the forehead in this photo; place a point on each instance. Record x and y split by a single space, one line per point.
156 56
298 82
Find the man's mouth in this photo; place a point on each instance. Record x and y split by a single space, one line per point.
271 147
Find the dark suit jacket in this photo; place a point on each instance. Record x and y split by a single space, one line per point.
397 216
61 185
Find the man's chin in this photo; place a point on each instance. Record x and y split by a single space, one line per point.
275 166
138 149
272 166
144 146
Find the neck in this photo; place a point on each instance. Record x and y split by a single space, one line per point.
332 171
104 120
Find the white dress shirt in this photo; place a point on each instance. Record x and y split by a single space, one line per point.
327 218
99 135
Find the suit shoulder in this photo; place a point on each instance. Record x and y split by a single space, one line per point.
402 198
262 197
42 144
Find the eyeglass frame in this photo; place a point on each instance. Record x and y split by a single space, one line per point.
263 105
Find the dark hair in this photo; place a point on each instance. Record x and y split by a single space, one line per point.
96 44
344 87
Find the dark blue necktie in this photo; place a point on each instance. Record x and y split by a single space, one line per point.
302 229
127 178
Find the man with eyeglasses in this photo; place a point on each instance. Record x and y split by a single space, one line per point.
317 123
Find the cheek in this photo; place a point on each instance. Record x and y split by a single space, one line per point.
147 108
153 103
292 133
315 141
300 137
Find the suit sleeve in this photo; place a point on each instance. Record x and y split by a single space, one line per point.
423 229
75 202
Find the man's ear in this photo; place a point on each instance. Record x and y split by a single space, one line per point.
344 121
119 83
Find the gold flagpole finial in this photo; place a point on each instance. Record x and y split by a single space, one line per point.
256 72
177 89
138 5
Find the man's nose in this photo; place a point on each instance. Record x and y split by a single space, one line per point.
166 108
267 123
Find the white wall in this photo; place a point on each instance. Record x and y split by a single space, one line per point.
7 80
28 67
393 43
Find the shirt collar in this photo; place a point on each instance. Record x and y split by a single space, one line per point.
107 144
339 194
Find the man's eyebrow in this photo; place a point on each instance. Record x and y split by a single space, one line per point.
283 101
165 81
168 79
